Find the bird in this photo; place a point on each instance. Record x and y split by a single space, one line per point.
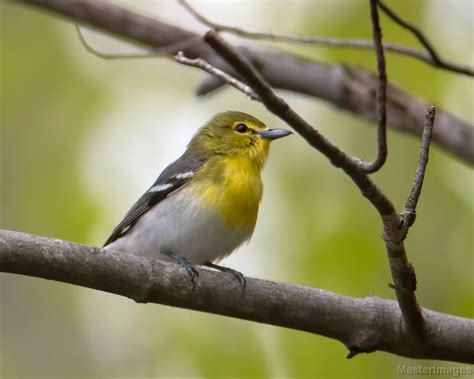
204 205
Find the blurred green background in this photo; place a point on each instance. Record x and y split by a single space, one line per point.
82 138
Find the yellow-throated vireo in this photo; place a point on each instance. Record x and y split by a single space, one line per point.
204 205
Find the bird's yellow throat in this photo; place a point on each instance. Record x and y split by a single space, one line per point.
235 191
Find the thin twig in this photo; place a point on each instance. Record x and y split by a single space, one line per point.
435 58
203 65
330 41
166 50
409 213
414 29
378 162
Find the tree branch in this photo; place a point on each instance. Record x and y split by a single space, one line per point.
362 324
428 58
402 271
157 52
348 88
378 162
435 58
203 65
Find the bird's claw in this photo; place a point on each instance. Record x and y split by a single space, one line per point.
239 276
183 262
188 266
236 274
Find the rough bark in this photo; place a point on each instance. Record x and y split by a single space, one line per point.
362 324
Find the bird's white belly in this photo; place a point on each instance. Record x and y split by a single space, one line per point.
184 226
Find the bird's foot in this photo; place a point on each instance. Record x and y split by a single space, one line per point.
185 263
237 275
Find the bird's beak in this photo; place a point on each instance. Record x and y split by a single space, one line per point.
275 133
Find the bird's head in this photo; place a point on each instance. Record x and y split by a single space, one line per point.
236 135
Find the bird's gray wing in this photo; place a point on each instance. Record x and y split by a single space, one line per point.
170 180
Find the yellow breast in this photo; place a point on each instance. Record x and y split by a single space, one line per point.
233 187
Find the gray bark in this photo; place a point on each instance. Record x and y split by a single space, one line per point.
362 324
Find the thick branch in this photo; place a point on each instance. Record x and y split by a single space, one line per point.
350 89
363 325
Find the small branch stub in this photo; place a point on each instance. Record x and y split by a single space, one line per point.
409 213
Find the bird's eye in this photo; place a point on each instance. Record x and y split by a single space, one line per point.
241 128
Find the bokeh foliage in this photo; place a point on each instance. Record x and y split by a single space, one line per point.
82 138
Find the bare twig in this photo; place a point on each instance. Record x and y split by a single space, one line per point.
203 65
409 213
348 88
418 34
429 58
378 162
362 324
157 52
